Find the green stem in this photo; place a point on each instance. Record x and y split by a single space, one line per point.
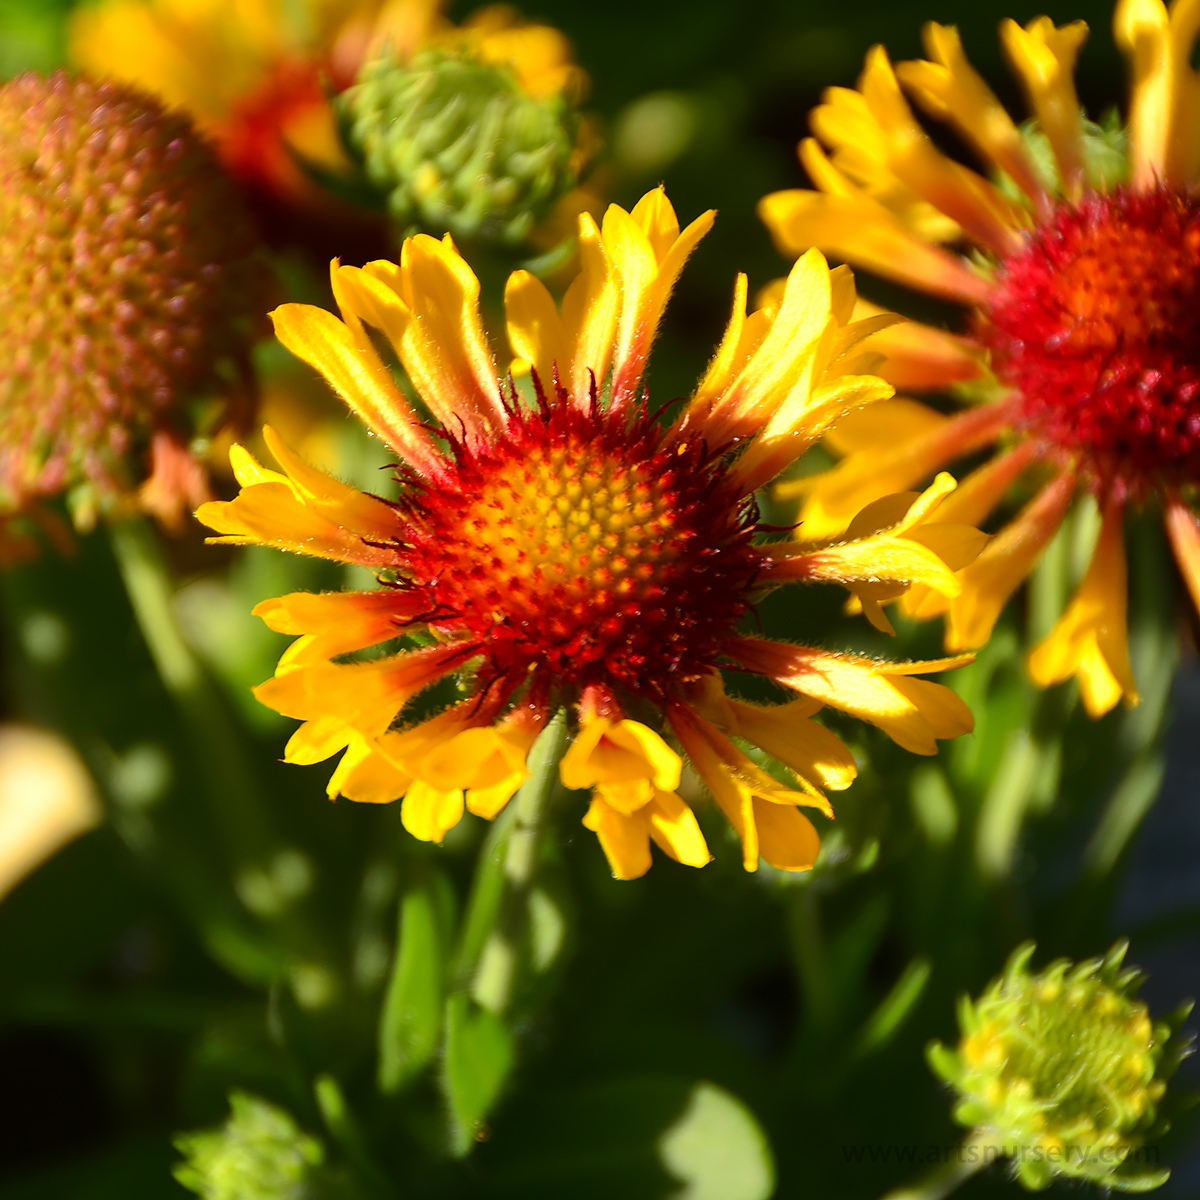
496 914
238 808
977 1151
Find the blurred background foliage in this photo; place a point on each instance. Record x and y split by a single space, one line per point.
705 1034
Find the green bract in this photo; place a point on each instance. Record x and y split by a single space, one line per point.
1066 1070
459 146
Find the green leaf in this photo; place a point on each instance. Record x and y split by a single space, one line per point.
717 1150
411 1021
640 1137
479 1056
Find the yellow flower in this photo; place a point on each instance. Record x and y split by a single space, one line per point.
562 547
1083 293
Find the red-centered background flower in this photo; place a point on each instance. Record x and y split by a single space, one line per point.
1080 270
558 546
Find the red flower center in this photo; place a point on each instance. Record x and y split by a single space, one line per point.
1096 323
582 549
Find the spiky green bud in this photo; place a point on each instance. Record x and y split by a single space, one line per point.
131 285
1065 1069
459 145
258 1154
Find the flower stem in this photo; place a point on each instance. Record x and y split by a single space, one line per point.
238 808
977 1151
494 928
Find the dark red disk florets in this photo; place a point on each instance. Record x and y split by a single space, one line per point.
1096 323
583 549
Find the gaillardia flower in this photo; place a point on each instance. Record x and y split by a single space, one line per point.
1079 269
562 547
133 287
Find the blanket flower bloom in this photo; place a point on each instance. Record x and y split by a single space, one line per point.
565 548
1079 269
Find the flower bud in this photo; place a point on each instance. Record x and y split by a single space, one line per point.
258 1154
1065 1069
460 145
132 286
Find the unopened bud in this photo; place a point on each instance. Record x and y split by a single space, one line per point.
1065 1069
460 146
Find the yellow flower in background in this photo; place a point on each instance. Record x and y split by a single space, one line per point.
561 547
1083 293
255 74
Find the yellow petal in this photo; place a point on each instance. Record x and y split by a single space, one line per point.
860 230
428 813
353 369
305 510
535 329
341 621
1044 59
1183 528
590 310
625 839
443 347
367 695
982 211
1005 562
674 828
625 760
877 691
1090 639
1164 109
366 776
951 90
835 497
647 259
919 358
786 837
788 732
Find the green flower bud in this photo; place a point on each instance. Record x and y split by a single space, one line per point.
459 145
1065 1069
258 1154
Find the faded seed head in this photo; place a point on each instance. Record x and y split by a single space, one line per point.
131 283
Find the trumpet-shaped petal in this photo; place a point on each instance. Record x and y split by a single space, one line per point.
891 545
1090 639
303 511
1044 55
647 251
625 761
912 712
625 837
1164 117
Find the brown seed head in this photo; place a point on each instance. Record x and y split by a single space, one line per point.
130 284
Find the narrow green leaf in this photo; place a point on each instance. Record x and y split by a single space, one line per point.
895 1007
411 1021
479 1055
